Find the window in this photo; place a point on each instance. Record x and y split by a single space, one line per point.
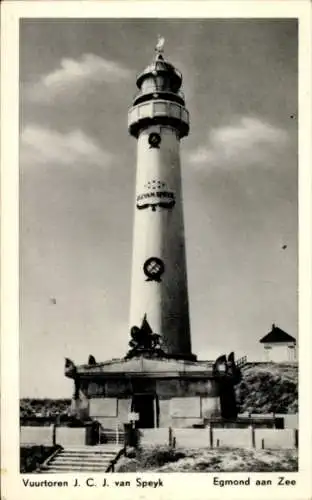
160 108
145 110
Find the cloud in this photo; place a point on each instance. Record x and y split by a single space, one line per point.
246 141
75 75
45 146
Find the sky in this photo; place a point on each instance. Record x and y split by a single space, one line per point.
77 185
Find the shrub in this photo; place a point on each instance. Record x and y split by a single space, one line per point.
31 457
270 388
160 455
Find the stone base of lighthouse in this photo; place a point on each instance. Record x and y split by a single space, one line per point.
161 392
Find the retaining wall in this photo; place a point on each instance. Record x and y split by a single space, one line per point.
70 436
65 436
190 438
232 438
275 438
223 438
31 435
154 437
291 420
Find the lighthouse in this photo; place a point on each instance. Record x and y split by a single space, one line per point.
159 382
159 120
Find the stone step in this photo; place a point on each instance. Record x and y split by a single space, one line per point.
82 459
77 467
107 433
113 434
70 467
90 454
61 460
80 464
111 439
92 449
87 455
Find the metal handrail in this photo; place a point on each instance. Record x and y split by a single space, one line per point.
111 467
241 361
49 459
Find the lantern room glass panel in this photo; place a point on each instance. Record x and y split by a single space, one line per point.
148 85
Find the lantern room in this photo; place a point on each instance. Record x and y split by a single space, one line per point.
159 100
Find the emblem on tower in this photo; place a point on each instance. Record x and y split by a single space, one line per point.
154 268
156 195
154 140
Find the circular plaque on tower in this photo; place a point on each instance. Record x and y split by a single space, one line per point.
153 268
154 140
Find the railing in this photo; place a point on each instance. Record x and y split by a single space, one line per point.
158 108
117 434
241 361
45 464
111 467
158 90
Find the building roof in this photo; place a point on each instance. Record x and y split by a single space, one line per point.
144 366
277 335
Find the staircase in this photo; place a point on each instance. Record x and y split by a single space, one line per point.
112 436
82 459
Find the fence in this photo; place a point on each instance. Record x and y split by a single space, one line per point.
222 438
248 437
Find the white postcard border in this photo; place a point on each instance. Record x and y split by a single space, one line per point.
191 485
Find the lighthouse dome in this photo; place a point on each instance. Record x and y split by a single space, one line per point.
160 73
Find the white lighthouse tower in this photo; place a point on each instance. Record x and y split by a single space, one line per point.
158 120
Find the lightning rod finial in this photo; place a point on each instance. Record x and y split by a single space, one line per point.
160 44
